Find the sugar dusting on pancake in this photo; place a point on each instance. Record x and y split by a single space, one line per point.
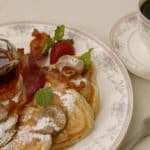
68 99
7 125
78 81
44 122
7 130
57 93
25 137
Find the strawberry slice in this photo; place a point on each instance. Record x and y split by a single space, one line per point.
60 48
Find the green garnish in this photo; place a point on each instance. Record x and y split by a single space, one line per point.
59 32
86 57
44 96
48 45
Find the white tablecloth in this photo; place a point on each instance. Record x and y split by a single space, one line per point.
93 16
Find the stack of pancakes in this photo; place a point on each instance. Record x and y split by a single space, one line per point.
80 104
81 113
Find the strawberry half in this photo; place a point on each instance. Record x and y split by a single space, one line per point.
60 48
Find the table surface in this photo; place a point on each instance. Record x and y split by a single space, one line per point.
93 16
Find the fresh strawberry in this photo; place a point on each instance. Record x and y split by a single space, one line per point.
60 48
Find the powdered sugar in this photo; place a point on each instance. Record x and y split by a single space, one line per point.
78 81
28 115
68 99
44 122
8 124
57 93
24 135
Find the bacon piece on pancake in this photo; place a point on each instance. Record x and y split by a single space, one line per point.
33 77
56 79
38 43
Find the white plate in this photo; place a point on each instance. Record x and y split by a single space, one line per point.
113 82
128 44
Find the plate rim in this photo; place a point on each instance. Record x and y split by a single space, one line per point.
123 70
144 75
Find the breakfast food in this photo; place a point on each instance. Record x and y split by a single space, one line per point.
54 105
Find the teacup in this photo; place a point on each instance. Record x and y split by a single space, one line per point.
144 24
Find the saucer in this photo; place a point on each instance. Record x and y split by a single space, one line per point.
127 43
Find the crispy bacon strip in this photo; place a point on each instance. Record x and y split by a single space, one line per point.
33 77
38 43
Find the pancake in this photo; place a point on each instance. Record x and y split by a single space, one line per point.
90 75
88 90
25 138
95 100
85 84
80 119
80 106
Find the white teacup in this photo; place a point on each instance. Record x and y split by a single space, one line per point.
144 25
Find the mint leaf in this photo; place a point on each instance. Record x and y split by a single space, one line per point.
86 57
44 96
59 32
48 45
